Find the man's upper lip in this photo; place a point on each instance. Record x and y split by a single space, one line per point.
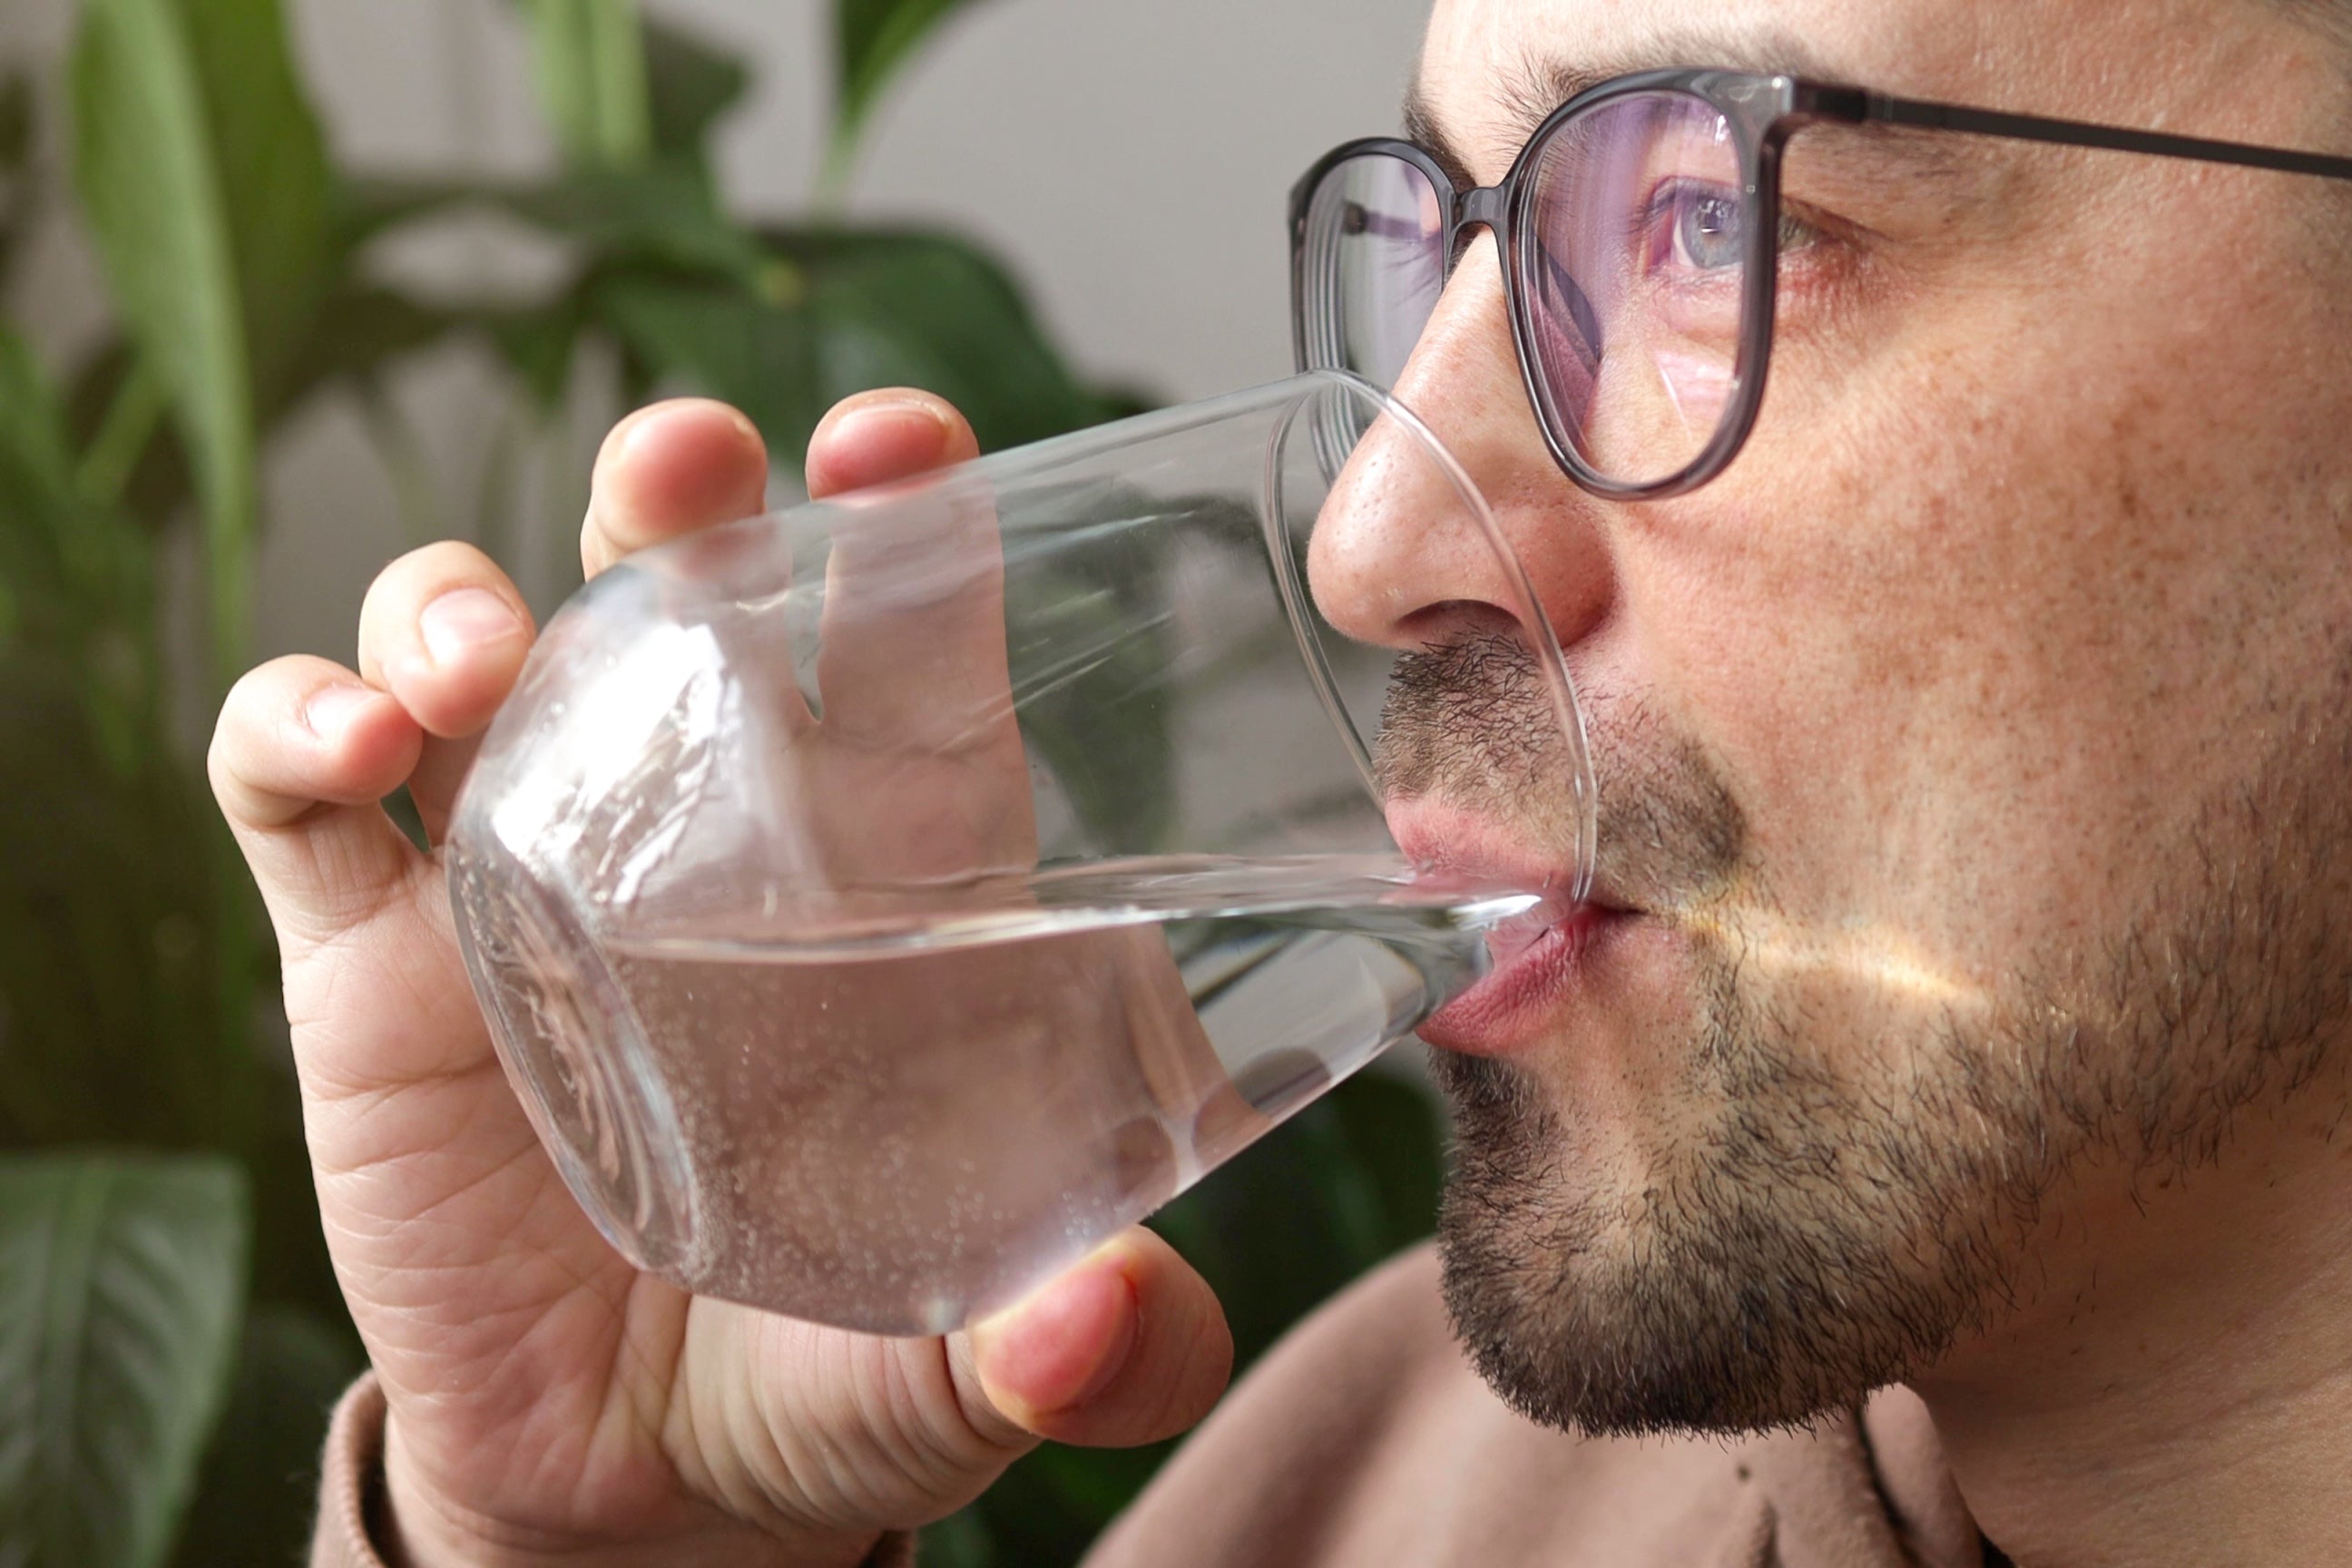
1442 836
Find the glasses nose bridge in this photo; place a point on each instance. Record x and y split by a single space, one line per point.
1480 209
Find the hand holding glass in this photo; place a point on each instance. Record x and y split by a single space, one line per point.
880 903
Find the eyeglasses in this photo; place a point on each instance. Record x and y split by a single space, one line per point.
1639 231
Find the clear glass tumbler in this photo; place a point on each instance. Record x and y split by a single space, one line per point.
879 903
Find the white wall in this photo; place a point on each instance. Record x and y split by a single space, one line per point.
1129 157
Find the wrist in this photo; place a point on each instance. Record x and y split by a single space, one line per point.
415 1525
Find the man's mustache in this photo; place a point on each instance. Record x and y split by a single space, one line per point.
1472 723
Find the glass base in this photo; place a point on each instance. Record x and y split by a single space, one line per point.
578 1058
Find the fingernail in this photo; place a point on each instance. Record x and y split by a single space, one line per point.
909 415
457 623
1122 1345
330 708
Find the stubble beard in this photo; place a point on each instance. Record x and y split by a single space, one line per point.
1811 1235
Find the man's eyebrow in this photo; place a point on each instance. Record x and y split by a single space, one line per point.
1530 87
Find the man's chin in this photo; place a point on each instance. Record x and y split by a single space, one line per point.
1720 1291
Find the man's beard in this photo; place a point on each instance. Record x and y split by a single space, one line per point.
1806 1235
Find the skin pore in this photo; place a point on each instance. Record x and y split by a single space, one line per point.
1971 758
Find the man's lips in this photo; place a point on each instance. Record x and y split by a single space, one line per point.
1534 957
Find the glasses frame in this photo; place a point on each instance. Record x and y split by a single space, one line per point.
1762 112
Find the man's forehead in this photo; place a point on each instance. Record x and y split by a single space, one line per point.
1491 69
1477 118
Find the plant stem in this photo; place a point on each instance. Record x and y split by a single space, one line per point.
592 80
122 436
832 193
494 500
404 462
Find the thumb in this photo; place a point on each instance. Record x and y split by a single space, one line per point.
1129 1347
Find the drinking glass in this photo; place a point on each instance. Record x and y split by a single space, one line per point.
878 903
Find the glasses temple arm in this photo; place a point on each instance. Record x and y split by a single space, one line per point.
2077 133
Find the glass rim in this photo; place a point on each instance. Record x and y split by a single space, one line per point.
1534 622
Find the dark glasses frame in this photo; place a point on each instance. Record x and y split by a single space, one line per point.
1762 112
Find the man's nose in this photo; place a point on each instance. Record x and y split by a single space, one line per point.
1397 559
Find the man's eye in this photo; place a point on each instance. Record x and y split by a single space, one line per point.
1695 228
1702 228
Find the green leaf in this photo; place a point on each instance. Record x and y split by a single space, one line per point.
727 343
961 1539
258 1489
120 1283
1094 646
15 151
145 168
111 928
690 86
272 163
1341 1185
31 432
592 80
872 39
824 314
77 574
663 216
930 310
538 345
357 329
16 120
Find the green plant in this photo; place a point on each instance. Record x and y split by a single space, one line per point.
150 1293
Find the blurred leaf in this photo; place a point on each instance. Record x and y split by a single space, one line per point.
366 206
32 433
120 1281
932 311
872 39
961 1539
1046 1509
731 345
145 170
1093 651
538 345
690 86
104 892
663 215
16 120
16 153
109 930
271 164
77 576
592 80
357 329
834 315
260 1478
1349 1181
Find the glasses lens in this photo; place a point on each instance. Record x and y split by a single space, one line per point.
1373 266
1635 257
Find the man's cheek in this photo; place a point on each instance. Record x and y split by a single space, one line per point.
1630 1068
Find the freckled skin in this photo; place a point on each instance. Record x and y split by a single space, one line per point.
2019 640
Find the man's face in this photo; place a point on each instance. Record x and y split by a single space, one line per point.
1972 752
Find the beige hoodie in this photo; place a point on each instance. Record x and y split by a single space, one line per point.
1365 1439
